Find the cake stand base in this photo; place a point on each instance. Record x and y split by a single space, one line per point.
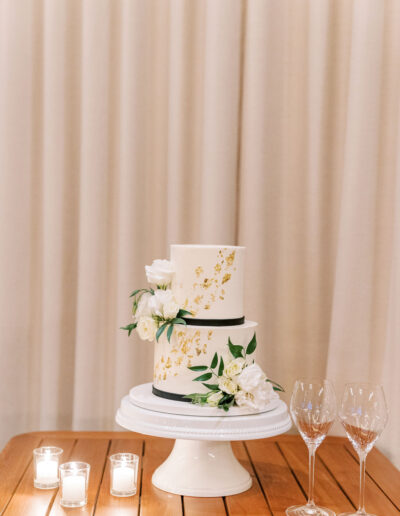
202 468
202 462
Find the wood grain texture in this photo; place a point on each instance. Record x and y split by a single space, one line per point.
278 466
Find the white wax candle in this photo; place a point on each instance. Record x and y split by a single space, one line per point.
47 471
123 479
73 488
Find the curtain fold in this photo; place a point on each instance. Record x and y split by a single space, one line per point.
129 125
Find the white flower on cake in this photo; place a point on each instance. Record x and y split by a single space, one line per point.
214 399
227 385
147 328
160 273
143 308
251 377
257 399
234 367
163 304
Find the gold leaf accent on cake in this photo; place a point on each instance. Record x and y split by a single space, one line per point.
209 334
165 376
179 361
199 270
198 351
207 307
162 359
222 298
226 278
206 283
230 259
218 267
198 299
168 363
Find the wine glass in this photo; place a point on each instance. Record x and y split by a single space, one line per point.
313 409
364 414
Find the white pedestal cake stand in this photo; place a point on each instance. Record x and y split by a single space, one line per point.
202 462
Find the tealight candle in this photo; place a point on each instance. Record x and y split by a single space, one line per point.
123 474
46 461
74 478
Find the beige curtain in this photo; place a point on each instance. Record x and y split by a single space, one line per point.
127 125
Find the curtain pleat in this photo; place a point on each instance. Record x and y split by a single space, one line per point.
129 125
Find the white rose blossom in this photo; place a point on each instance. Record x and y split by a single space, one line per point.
147 328
255 392
214 399
227 385
234 367
163 304
258 399
143 308
160 273
251 377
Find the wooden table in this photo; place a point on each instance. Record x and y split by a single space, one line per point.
278 467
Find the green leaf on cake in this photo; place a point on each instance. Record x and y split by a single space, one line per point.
252 345
160 330
203 378
212 386
236 351
177 320
275 385
214 361
169 332
129 328
221 367
183 312
198 368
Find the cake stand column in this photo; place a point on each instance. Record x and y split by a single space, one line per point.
202 468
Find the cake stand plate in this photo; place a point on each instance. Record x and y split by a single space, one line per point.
202 462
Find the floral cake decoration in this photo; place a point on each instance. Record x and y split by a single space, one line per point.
241 382
155 308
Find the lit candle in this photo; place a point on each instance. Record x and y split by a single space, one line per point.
74 477
47 471
46 460
74 488
123 474
123 479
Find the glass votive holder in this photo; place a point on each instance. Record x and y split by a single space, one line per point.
45 461
74 479
123 474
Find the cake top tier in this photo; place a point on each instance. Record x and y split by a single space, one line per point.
209 280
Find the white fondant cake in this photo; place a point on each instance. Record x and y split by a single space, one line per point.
209 280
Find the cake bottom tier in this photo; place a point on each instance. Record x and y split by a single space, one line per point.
194 346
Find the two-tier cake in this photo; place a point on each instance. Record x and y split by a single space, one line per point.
204 347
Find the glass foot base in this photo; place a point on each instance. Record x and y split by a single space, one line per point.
358 513
309 510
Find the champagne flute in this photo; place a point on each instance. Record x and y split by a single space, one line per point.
313 409
364 414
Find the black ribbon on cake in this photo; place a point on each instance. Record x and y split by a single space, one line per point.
169 395
214 322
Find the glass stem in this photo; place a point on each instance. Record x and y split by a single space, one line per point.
311 469
361 508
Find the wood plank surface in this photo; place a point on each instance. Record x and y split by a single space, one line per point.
278 466
252 500
327 492
346 471
14 460
277 481
380 469
153 500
